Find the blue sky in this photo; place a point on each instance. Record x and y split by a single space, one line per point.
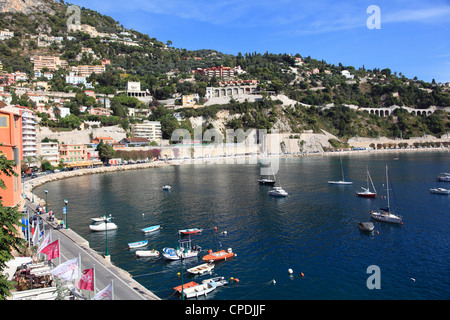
414 37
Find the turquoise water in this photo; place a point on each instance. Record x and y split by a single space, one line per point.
313 232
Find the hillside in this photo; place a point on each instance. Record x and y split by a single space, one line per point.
319 95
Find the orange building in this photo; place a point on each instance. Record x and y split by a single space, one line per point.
11 147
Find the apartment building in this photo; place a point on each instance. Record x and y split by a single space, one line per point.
74 79
150 130
11 147
50 152
72 153
50 62
87 70
29 134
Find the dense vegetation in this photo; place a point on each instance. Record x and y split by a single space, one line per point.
163 69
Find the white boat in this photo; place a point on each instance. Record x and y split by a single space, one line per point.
366 226
385 214
440 191
147 253
100 219
444 176
202 268
166 187
200 290
266 181
183 251
220 281
137 244
103 226
151 229
278 192
343 181
366 193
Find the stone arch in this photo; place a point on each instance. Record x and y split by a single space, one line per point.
223 93
235 91
216 93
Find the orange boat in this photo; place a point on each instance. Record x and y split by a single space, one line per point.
219 255
186 285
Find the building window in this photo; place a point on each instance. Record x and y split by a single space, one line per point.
3 121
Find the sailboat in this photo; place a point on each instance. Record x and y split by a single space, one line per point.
366 193
385 214
342 182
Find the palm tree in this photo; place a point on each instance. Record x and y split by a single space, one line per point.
28 162
40 159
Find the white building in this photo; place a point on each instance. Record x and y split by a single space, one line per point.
150 130
64 112
347 74
74 79
6 34
134 90
49 150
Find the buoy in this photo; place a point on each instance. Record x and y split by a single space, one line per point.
413 280
178 274
209 251
235 254
290 271
236 280
302 274
378 232
401 223
225 232
215 228
231 278
274 282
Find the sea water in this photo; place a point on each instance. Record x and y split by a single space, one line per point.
313 232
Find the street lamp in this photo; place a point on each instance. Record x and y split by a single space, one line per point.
46 205
106 237
65 212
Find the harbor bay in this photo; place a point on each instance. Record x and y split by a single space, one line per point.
313 231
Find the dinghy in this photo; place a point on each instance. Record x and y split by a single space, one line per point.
202 268
147 253
199 290
366 226
220 281
151 229
190 231
103 226
219 255
137 244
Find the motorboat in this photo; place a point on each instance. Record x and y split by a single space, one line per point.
186 286
443 176
199 290
265 181
167 187
440 191
103 218
137 244
220 281
190 231
219 255
151 229
103 226
384 214
366 226
183 251
366 193
202 268
147 253
343 181
278 192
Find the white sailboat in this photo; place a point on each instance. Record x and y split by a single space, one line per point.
385 214
366 193
341 182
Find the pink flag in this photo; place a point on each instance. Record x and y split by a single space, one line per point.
52 250
86 281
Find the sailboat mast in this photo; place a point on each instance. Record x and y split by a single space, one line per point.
342 169
387 186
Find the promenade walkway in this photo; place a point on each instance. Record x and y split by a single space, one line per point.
72 245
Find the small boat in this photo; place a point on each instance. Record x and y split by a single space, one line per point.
100 219
366 193
137 244
103 226
183 251
386 215
219 255
366 226
151 229
440 191
202 268
190 231
147 253
443 176
278 192
220 281
342 182
268 182
167 187
186 286
199 290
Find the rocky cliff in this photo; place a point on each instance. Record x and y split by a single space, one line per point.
27 6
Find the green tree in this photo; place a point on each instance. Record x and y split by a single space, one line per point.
9 235
105 151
